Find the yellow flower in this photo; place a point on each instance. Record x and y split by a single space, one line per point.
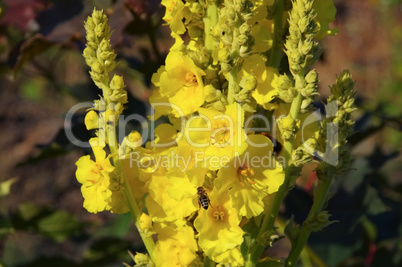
165 137
219 234
162 207
117 202
326 12
262 35
266 89
260 10
308 124
141 259
94 177
92 120
181 82
159 103
146 224
176 245
219 136
250 177
184 174
153 159
231 257
174 15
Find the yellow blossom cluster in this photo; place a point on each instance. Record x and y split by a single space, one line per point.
213 165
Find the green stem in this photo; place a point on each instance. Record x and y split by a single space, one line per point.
305 258
128 194
274 205
316 261
233 87
276 49
210 20
208 262
319 202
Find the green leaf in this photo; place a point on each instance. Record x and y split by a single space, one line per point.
6 185
351 180
333 254
370 228
292 231
59 225
29 211
30 49
107 250
373 202
5 226
32 90
269 262
50 262
51 150
119 228
251 232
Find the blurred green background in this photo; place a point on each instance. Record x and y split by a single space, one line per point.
42 75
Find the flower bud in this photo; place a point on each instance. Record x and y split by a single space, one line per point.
210 93
241 39
248 83
117 83
248 16
312 77
227 36
143 260
245 28
231 14
303 24
197 9
99 30
226 67
92 120
92 45
306 103
287 126
89 24
97 68
145 222
306 47
224 55
244 51
284 82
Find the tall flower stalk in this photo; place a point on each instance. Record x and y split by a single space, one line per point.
208 187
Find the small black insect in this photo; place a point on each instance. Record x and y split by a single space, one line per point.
203 199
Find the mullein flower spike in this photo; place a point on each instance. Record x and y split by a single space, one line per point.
208 172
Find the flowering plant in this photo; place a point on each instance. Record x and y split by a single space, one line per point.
209 184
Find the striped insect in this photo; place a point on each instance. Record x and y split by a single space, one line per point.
203 199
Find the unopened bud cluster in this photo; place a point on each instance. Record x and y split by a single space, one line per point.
100 57
286 89
98 54
343 95
309 91
301 49
319 221
234 32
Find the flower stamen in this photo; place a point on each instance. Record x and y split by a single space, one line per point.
191 79
219 214
244 173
